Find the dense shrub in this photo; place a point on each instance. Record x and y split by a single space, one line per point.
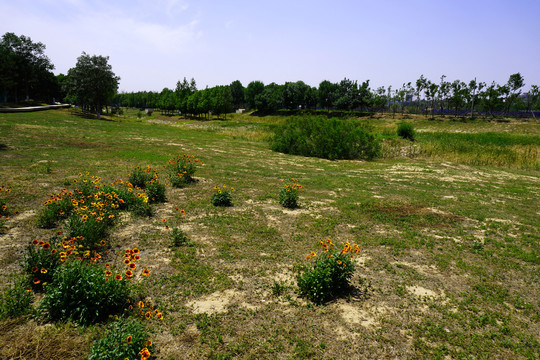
83 293
406 131
126 339
155 192
140 177
328 138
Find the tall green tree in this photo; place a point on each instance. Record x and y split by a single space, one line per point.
327 94
253 89
514 84
91 83
24 67
237 92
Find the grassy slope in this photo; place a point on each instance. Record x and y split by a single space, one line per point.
449 263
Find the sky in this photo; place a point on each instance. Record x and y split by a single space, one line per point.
152 44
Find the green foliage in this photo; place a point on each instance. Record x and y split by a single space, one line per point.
181 170
288 194
179 238
40 264
155 192
329 274
140 177
16 300
124 340
82 293
406 131
323 137
222 197
90 228
56 209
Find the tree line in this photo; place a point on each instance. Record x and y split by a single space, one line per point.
26 72
455 98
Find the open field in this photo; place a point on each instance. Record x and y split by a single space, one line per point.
448 227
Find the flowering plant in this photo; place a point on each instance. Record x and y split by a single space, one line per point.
288 194
181 169
222 196
329 274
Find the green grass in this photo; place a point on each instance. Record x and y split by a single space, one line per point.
449 236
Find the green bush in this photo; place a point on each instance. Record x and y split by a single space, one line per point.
16 300
222 197
56 209
179 238
40 264
406 131
181 170
126 339
288 194
92 229
140 177
155 192
82 293
329 274
323 137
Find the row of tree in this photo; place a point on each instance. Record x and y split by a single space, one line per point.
425 96
25 71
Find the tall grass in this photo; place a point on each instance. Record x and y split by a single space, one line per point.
489 148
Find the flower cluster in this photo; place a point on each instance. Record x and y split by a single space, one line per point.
222 196
329 274
288 194
181 169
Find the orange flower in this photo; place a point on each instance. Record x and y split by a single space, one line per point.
53 251
35 242
118 277
164 220
127 261
46 246
146 272
129 273
339 262
43 271
148 315
34 269
59 232
182 212
132 266
108 273
36 281
141 304
128 339
160 316
135 251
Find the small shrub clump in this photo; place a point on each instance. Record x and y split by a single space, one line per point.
181 170
126 339
288 194
222 196
179 238
82 292
16 300
40 264
328 138
406 131
329 274
147 179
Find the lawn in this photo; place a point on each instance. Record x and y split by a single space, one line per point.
448 228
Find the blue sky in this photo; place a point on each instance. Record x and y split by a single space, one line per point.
154 43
